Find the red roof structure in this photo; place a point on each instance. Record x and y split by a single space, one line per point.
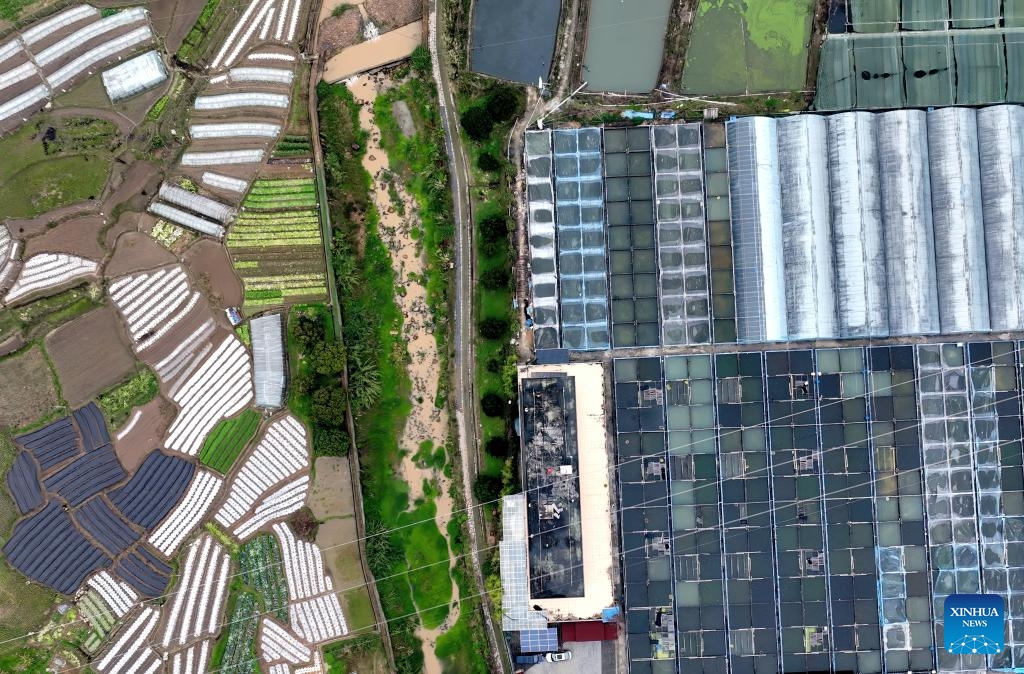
591 630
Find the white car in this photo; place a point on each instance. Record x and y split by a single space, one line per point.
560 656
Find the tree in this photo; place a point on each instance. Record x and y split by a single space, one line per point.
494 227
495 279
487 488
329 442
327 358
477 123
327 407
421 60
502 104
488 162
308 331
494 328
493 405
497 446
304 524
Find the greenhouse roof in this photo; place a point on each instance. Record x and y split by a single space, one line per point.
134 76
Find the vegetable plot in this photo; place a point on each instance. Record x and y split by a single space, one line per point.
276 244
227 441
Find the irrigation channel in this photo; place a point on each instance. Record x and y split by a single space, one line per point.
426 422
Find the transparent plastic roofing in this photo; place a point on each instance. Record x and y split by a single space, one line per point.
234 130
254 99
196 203
543 263
921 68
268 360
99 55
225 157
134 76
770 524
881 224
186 219
255 74
224 182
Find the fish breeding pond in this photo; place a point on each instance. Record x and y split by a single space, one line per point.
514 40
624 44
748 46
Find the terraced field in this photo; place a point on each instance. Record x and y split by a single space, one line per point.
275 244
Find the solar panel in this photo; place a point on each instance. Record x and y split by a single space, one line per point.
538 641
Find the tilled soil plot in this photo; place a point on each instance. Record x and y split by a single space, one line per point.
211 267
338 32
390 14
143 432
136 252
78 236
90 355
28 392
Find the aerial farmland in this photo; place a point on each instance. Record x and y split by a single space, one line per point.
162 233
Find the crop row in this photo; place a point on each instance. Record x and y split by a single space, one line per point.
263 571
227 441
240 651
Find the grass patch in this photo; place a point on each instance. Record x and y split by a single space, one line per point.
363 653
426 558
227 440
191 47
43 315
54 163
358 610
10 10
118 402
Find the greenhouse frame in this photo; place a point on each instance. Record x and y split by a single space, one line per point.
186 219
196 203
134 76
223 157
234 130
267 334
242 100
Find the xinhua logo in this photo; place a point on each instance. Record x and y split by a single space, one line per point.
974 624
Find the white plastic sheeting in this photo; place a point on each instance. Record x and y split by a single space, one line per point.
94 56
856 211
57 22
196 203
268 360
234 130
90 32
902 140
242 100
186 219
134 76
224 157
1001 157
962 283
26 100
15 75
756 230
9 49
271 56
257 74
224 182
544 272
806 240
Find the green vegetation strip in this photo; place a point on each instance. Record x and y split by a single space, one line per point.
228 439
118 402
263 571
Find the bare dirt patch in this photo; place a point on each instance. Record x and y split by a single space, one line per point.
390 14
134 183
145 434
338 32
136 252
90 355
28 392
331 495
211 268
78 236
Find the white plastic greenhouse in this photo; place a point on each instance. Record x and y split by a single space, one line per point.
234 130
26 100
919 214
224 157
15 75
243 100
94 56
75 41
134 76
9 49
1001 155
186 219
196 203
224 182
255 74
57 22
268 360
